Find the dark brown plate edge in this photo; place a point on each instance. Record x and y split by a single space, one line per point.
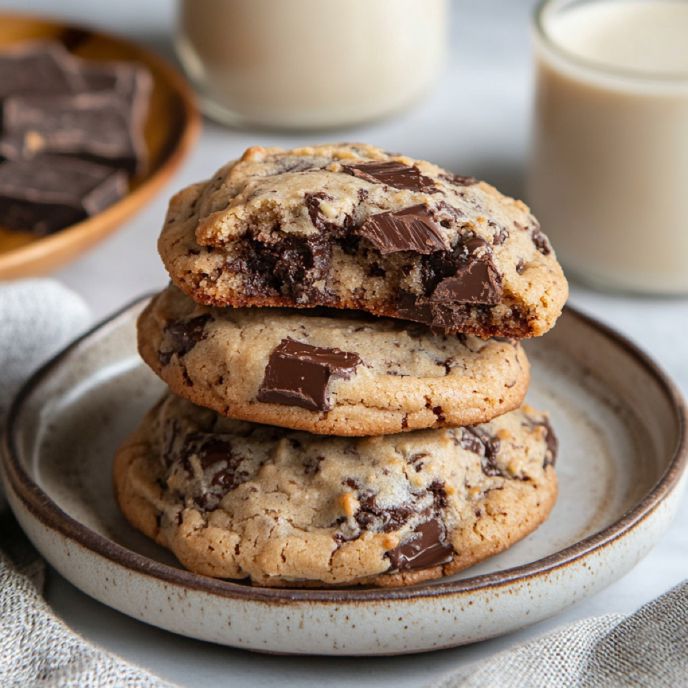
49 514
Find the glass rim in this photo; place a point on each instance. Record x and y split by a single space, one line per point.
601 68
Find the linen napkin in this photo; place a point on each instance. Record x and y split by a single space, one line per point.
648 648
37 318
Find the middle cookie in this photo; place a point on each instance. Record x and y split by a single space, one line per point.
333 372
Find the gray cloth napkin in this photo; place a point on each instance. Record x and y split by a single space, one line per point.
37 317
648 648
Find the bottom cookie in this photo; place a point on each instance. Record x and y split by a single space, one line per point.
238 500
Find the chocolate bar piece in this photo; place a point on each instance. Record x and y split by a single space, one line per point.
38 67
298 374
46 193
97 126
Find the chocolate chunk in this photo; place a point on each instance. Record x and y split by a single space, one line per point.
459 180
476 282
371 516
439 494
48 193
298 374
312 202
480 442
541 242
288 267
551 441
394 174
183 336
501 234
415 309
220 465
37 67
552 444
466 275
411 229
426 547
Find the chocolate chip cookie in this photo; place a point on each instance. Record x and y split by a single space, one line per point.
239 500
333 372
350 226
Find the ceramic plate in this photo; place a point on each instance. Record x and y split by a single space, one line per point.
171 128
623 455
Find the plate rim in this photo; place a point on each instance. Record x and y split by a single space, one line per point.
26 260
42 507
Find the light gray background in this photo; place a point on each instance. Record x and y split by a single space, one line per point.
475 122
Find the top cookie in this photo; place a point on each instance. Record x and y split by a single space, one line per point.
350 226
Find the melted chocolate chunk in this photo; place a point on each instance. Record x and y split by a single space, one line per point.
439 494
183 336
541 242
466 274
459 180
287 267
312 202
551 440
298 374
480 442
426 547
501 234
214 453
476 282
411 229
372 516
394 174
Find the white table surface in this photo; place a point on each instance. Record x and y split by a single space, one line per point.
475 122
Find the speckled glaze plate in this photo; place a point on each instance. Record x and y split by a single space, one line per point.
622 462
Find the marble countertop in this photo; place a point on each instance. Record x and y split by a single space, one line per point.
475 122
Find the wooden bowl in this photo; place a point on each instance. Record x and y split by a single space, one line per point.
171 128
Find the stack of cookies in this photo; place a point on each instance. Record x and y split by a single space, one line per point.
341 344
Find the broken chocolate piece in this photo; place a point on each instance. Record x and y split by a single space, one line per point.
476 282
427 547
459 180
551 441
541 242
394 174
298 374
411 229
98 126
372 516
48 193
480 442
183 335
37 67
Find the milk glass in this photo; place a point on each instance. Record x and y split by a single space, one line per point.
608 177
310 63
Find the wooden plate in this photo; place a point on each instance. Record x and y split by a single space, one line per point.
621 467
172 126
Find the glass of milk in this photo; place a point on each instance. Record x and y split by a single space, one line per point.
301 64
609 172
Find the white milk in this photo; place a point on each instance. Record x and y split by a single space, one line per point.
310 63
609 174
